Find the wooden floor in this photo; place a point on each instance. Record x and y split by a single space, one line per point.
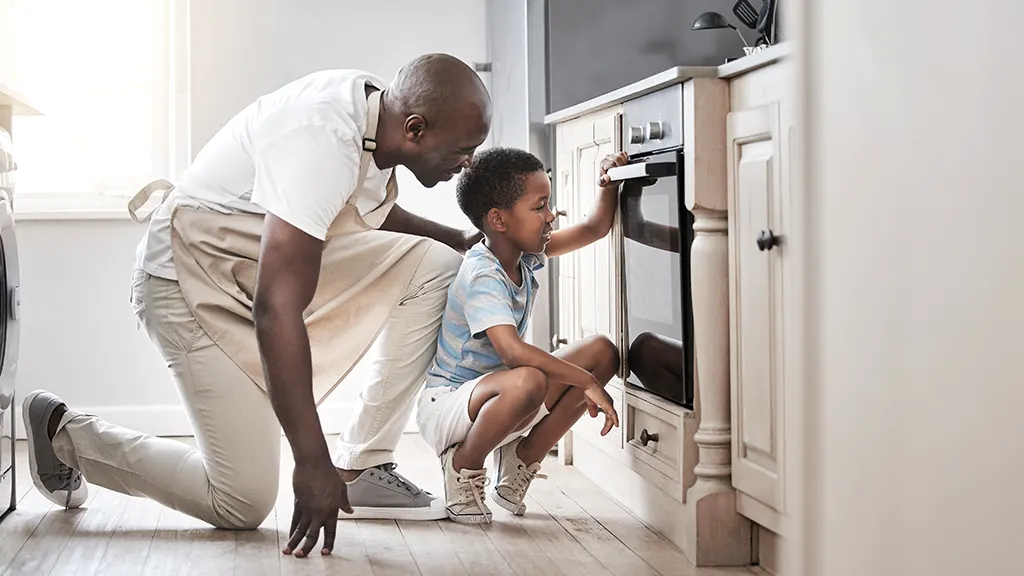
571 528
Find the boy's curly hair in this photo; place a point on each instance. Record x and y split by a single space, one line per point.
495 179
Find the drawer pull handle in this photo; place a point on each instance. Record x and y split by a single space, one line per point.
766 240
646 438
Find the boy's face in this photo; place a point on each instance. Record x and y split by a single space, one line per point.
528 224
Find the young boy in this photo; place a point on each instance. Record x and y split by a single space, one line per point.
486 388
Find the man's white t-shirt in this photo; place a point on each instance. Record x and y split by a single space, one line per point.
294 153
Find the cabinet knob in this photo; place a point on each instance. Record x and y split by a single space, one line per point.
556 341
646 438
561 213
766 240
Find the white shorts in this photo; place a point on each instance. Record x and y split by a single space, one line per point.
442 415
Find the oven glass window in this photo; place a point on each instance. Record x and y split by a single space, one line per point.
656 287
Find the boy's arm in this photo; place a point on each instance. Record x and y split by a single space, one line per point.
515 353
598 221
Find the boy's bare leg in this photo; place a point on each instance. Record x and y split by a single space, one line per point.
500 403
595 354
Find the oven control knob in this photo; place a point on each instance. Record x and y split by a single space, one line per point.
655 131
636 135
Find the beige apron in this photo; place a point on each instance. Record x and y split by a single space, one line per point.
363 275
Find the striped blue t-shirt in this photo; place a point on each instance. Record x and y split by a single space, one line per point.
481 296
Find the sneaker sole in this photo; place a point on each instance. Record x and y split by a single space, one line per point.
509 506
436 511
32 469
470 518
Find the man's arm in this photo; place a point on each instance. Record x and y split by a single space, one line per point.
289 268
405 222
598 221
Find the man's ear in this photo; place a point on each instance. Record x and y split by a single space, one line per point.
496 220
414 127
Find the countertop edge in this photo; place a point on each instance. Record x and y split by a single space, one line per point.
646 86
673 76
756 60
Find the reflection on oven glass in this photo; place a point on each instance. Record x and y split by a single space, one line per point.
657 361
653 305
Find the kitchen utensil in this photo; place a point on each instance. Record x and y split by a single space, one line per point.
746 13
766 22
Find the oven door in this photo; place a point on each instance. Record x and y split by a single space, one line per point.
657 233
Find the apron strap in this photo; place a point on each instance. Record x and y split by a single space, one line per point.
369 145
143 196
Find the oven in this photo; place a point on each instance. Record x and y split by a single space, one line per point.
657 232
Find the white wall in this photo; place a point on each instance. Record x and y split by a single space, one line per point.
91 354
914 199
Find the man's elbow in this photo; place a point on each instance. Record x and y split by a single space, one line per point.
268 310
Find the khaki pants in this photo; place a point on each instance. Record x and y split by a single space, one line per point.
231 481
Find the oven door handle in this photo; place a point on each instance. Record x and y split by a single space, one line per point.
642 171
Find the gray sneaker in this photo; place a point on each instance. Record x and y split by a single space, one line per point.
61 484
383 494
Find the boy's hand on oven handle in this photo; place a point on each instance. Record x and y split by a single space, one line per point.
607 163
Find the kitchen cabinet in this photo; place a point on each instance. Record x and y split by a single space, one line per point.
705 478
587 279
763 307
580 146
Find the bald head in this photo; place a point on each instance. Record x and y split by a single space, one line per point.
437 85
443 112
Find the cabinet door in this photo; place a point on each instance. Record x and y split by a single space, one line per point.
596 271
565 203
756 296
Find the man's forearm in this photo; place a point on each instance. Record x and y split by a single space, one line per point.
405 222
284 348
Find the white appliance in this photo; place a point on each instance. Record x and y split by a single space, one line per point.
10 303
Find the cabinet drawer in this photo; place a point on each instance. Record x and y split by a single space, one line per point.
589 429
659 443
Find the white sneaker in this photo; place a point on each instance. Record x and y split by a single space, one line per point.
514 478
464 491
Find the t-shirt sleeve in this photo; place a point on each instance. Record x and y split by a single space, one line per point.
487 304
305 176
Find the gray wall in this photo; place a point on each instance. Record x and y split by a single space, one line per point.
596 46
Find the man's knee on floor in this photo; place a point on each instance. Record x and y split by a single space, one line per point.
245 511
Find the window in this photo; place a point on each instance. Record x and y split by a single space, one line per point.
109 78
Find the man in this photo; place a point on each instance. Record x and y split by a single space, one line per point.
279 260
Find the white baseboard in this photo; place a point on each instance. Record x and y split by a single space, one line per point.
170 419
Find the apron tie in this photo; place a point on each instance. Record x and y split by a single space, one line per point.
143 196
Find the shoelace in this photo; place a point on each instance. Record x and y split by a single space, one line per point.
521 481
395 477
68 476
476 485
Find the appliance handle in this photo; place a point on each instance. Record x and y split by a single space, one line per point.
642 170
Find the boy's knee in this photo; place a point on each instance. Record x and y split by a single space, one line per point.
606 353
530 386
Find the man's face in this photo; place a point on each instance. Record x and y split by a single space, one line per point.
442 150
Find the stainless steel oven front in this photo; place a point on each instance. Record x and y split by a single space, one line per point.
657 231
